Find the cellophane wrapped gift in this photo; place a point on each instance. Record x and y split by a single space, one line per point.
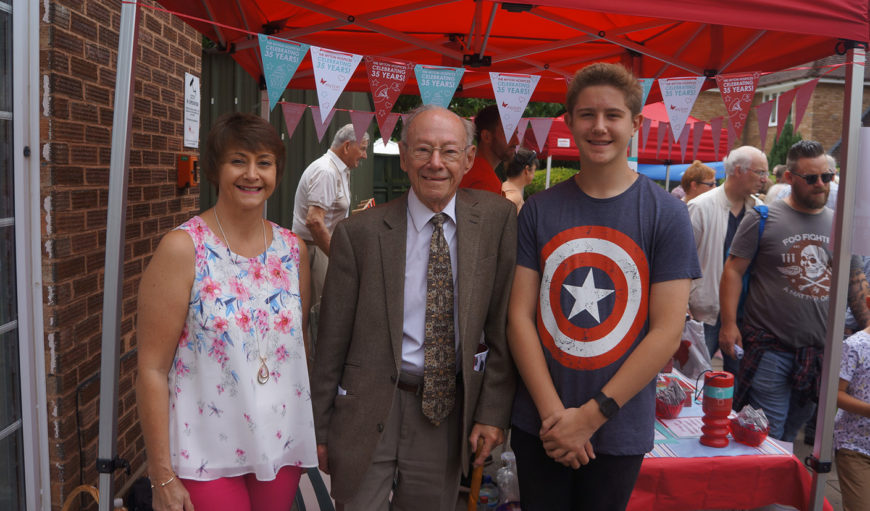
669 399
750 427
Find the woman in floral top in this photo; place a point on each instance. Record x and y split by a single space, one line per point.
223 390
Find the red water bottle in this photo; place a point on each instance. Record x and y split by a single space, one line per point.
718 395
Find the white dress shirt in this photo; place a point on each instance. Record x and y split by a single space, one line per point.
419 235
325 184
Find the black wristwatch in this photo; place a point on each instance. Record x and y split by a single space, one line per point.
606 404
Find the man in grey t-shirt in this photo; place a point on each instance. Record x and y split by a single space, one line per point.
785 317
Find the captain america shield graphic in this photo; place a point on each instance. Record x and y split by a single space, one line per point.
593 300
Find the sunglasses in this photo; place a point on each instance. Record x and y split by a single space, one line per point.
811 179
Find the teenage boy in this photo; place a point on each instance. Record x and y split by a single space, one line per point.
604 266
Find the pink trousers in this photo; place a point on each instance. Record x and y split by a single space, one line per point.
245 493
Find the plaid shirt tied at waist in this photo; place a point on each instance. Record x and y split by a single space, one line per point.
807 362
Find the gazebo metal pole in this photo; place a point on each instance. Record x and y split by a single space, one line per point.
114 263
842 252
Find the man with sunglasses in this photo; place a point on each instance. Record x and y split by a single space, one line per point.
715 216
783 331
833 186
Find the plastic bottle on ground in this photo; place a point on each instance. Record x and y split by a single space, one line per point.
508 485
489 490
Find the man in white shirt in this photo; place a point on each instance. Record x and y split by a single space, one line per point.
715 216
323 200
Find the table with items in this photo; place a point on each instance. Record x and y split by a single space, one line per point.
681 474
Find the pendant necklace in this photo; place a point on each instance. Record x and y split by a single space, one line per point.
263 371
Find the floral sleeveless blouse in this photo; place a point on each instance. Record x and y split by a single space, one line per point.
222 421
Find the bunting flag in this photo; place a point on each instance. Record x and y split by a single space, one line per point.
437 84
644 132
389 126
387 79
697 135
763 112
332 70
737 91
804 93
280 60
361 121
292 115
784 105
732 136
646 84
663 129
684 143
320 125
716 132
541 128
521 129
679 95
512 94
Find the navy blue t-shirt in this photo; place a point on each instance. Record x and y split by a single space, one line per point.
597 259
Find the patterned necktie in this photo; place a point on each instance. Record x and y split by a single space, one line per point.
439 345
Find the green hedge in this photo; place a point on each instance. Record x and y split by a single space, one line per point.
557 175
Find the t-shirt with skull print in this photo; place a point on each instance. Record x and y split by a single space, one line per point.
791 273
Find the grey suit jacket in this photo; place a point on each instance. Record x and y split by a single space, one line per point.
359 343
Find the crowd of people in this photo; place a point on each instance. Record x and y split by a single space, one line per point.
434 324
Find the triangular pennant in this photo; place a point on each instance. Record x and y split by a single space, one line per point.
732 136
437 84
512 93
541 128
280 61
783 106
292 114
679 95
684 143
716 132
663 129
332 70
646 84
387 79
804 93
521 129
361 121
319 125
737 91
763 111
389 126
697 135
644 132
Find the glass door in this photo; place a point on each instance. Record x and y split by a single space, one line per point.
11 434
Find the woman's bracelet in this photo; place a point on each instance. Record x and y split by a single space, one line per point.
161 485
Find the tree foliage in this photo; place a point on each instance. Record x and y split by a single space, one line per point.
781 146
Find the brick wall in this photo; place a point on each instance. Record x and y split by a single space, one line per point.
79 42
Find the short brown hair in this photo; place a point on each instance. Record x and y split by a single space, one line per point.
602 73
696 173
238 130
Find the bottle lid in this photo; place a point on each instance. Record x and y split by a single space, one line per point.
487 478
508 456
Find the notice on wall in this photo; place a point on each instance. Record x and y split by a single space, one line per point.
191 111
861 217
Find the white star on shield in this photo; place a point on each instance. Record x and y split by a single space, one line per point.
586 297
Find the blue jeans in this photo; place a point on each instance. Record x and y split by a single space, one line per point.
771 391
711 337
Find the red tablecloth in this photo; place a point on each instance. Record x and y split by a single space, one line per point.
722 482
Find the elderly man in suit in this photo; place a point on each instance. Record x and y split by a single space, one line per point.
412 371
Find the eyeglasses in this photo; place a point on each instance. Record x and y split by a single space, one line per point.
711 184
759 172
449 153
811 179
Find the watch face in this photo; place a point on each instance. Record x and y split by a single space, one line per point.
607 405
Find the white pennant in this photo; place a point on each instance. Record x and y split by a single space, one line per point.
512 93
679 95
332 71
